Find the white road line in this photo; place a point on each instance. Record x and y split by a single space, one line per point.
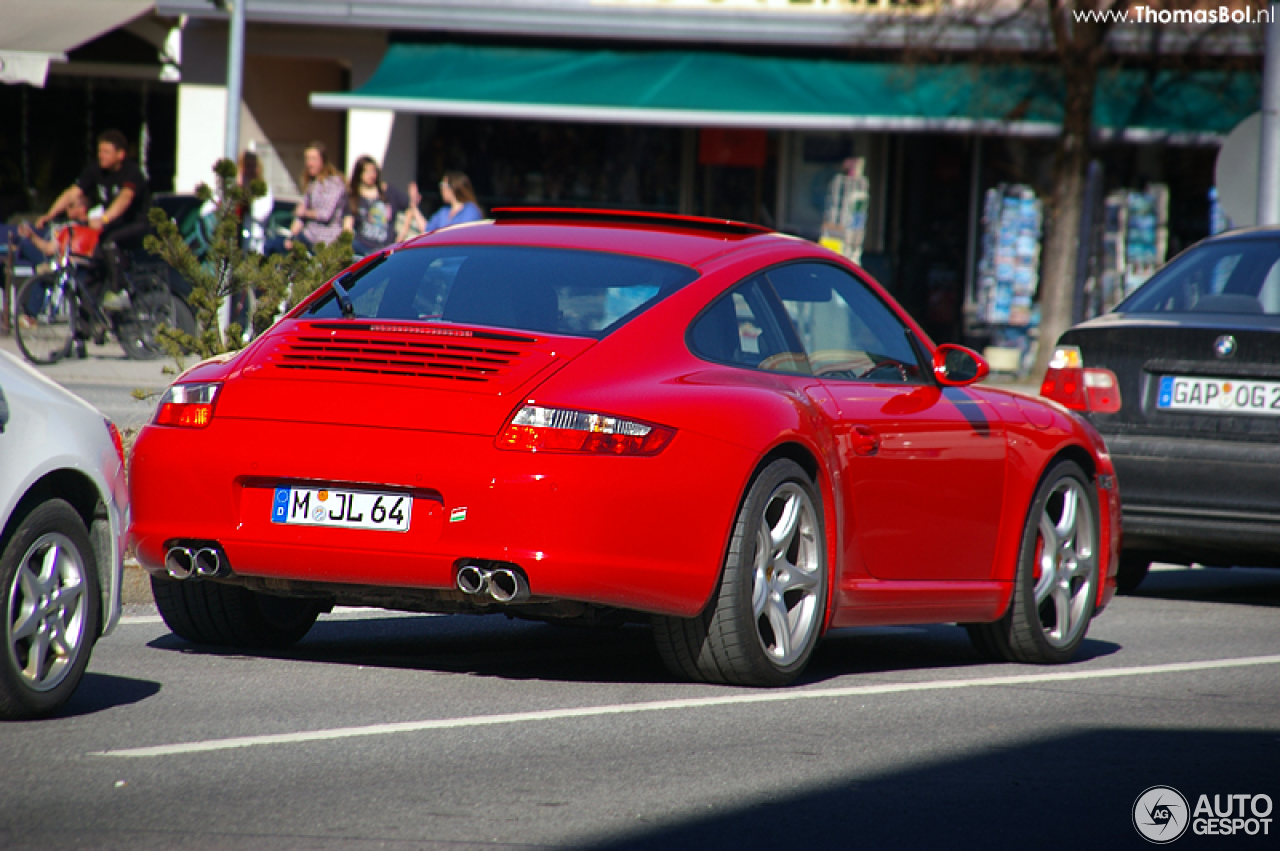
691 703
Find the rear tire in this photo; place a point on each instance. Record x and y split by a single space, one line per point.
205 612
1056 585
150 307
52 611
45 327
764 620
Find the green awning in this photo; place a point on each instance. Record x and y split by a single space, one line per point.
734 90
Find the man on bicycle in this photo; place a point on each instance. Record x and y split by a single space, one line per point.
117 184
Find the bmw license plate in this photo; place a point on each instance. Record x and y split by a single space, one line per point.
345 509
1218 395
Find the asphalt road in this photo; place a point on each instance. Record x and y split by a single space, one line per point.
382 731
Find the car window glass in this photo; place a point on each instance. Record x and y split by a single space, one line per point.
846 330
742 327
1233 276
557 291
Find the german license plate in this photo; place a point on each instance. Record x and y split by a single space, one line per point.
345 509
1219 395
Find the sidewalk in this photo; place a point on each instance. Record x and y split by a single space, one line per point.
106 365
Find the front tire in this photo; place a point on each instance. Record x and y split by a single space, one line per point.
49 581
1056 585
205 612
767 613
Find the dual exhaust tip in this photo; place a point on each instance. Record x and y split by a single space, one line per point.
500 584
185 562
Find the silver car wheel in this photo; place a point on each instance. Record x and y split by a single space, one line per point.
1065 563
46 618
786 578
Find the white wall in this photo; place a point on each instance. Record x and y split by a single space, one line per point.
283 64
202 130
390 139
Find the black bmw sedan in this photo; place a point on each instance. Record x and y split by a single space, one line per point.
1183 381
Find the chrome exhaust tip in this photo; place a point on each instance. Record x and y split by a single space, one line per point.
179 563
507 586
208 562
473 580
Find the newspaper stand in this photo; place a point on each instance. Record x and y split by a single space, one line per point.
844 218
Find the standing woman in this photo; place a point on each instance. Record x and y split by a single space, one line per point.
459 202
372 208
318 217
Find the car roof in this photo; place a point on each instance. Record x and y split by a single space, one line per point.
1271 231
688 240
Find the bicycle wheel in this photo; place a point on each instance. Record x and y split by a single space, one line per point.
151 305
46 313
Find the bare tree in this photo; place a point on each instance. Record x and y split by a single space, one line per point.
1080 29
1080 42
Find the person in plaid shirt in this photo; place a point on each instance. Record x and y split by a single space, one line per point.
318 217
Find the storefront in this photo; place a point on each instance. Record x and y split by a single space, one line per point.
759 138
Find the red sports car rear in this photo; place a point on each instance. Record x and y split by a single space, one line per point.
731 433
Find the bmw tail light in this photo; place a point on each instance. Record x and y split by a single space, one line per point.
538 429
187 405
1103 390
1068 382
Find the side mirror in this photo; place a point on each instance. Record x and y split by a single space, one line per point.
956 366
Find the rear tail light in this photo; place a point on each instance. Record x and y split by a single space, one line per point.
1068 382
1103 390
187 405
538 429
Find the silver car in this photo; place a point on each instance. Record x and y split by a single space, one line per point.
64 507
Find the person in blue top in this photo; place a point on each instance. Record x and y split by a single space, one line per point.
459 202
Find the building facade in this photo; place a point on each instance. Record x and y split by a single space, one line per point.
740 109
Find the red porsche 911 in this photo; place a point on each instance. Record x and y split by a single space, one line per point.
730 433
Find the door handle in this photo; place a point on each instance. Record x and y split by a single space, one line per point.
865 441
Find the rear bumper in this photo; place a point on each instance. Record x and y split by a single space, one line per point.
1215 502
639 533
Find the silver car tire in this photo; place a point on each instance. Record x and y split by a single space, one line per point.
52 611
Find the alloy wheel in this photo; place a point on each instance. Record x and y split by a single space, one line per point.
787 574
46 620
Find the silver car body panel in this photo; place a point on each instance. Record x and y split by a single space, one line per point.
50 430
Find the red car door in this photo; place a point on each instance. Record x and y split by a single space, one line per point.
924 465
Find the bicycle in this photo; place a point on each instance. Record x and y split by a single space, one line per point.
57 312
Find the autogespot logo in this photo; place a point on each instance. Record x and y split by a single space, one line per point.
1160 814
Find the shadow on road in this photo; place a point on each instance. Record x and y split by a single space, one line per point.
98 692
1070 791
1247 586
493 646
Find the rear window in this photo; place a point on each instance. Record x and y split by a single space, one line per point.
1236 276
544 290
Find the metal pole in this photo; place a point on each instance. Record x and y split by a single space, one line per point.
1269 136
975 221
235 77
